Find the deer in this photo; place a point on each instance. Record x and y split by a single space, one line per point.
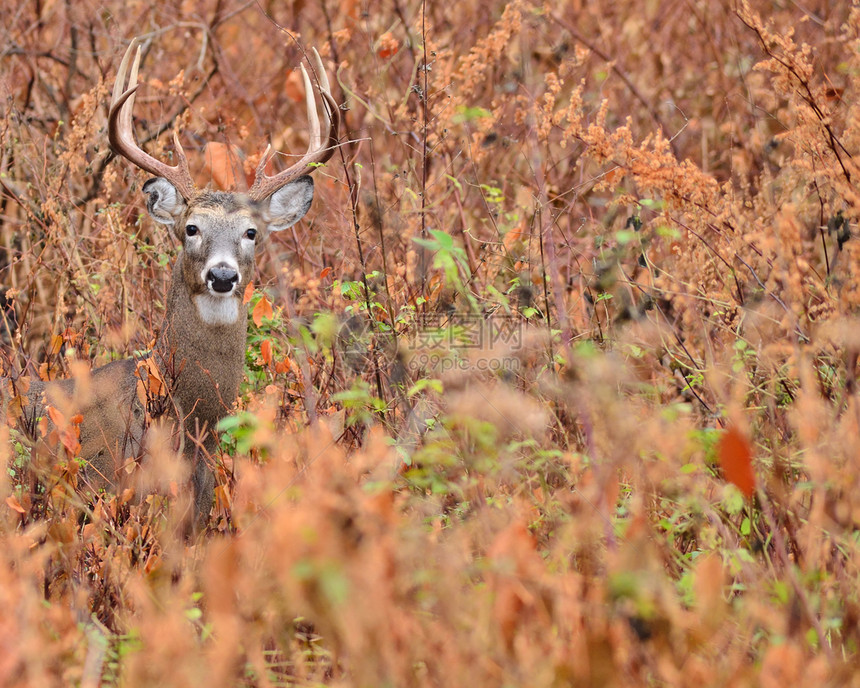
193 372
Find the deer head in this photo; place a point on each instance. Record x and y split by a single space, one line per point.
220 231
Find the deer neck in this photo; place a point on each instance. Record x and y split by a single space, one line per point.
201 362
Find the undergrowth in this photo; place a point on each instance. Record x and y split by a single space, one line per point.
555 385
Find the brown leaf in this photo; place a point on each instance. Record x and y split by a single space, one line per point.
224 164
266 351
735 456
22 384
62 532
708 581
263 309
13 504
293 87
14 410
151 383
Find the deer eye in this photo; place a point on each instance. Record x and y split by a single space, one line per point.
191 230
251 234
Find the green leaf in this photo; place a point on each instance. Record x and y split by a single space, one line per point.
426 383
464 113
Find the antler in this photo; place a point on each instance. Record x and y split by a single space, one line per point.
321 145
121 131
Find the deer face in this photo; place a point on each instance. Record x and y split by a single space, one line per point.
220 233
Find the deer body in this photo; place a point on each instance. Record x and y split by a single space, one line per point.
199 353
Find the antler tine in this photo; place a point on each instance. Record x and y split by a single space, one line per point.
322 139
325 88
121 129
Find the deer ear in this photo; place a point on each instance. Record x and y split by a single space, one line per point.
289 204
163 201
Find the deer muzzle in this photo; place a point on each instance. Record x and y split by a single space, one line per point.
222 279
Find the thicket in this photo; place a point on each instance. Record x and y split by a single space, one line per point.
554 385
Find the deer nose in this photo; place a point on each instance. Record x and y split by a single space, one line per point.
222 279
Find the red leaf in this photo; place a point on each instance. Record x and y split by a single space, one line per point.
325 272
266 351
387 46
735 456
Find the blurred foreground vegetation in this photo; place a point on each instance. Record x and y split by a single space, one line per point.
555 385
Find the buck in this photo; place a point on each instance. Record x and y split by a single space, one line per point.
199 352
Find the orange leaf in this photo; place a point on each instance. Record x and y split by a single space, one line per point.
263 309
69 439
222 497
325 272
57 418
151 383
735 456
349 8
294 87
613 175
249 292
223 164
13 504
266 351
387 46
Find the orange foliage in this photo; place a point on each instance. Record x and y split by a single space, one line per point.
735 457
479 435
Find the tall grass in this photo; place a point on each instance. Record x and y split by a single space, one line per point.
556 385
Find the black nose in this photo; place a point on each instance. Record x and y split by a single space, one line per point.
222 279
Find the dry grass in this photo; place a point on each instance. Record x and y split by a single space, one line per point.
657 204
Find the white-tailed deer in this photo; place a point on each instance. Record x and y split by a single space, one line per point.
200 350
